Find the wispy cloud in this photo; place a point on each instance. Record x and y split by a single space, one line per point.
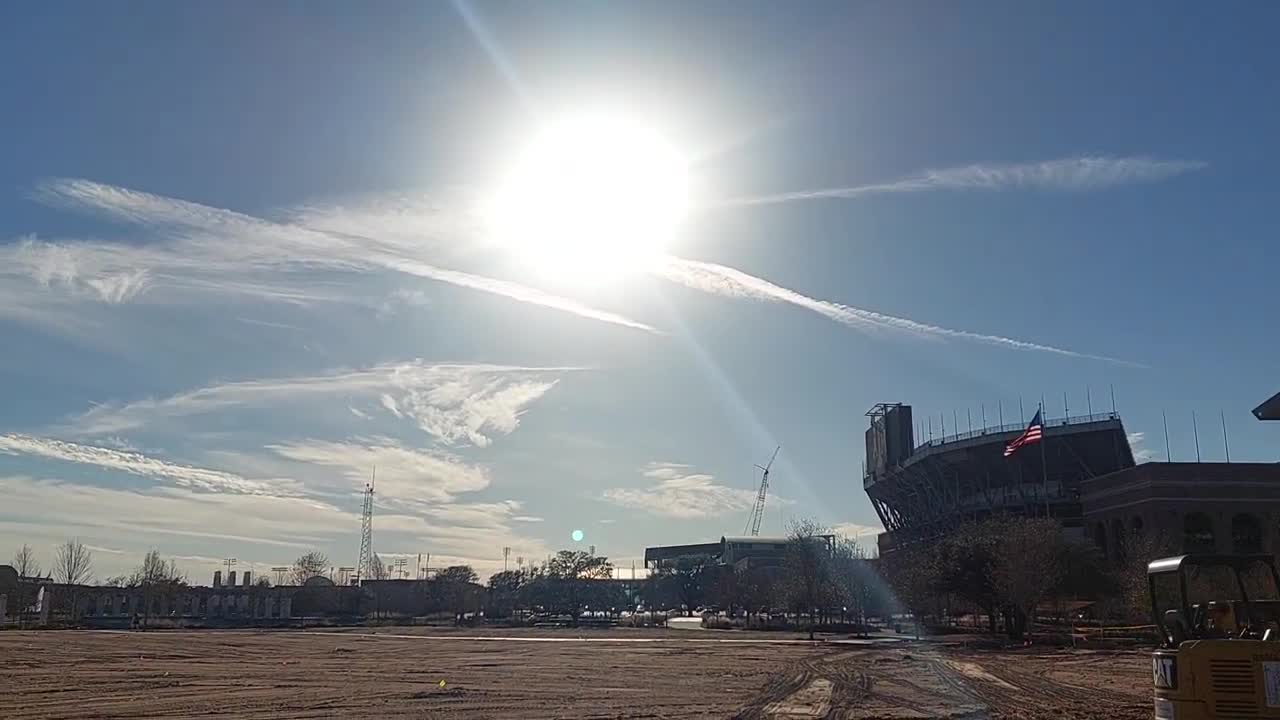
403 473
853 531
1137 443
730 282
118 515
136 463
863 535
268 324
1068 174
454 403
679 492
214 249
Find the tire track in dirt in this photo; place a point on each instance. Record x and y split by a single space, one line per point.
1019 688
866 684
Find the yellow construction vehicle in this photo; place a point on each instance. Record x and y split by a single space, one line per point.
1219 622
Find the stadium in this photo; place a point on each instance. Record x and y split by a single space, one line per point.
921 490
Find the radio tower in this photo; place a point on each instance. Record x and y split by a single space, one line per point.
365 565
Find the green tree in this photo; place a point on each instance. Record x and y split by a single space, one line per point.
1130 573
570 575
855 582
453 588
462 574
964 563
504 592
1028 565
687 579
913 574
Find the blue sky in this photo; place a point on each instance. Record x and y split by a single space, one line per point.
239 264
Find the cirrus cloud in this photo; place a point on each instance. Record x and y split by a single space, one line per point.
680 492
136 463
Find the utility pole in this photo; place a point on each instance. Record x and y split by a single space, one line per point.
506 551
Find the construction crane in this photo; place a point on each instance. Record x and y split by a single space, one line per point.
757 512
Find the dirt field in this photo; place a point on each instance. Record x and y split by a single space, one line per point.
548 674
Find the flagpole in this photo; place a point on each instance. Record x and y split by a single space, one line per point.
1226 447
1044 464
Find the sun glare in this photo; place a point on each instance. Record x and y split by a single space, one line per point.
592 197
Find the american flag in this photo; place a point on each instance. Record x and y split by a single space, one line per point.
1030 435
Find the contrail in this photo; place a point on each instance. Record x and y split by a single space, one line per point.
722 280
517 292
229 243
1068 174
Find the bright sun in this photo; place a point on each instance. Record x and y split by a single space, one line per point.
593 196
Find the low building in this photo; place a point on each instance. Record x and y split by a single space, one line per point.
659 557
741 553
1195 507
750 553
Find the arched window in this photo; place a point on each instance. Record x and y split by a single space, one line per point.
1246 534
1117 534
1197 533
1100 537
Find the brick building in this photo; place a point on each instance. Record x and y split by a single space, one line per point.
1196 507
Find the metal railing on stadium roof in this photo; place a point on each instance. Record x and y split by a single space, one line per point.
1016 427
868 479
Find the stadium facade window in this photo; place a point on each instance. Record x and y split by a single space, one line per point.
1197 533
1246 534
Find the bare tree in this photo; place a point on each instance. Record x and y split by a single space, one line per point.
807 570
378 569
158 579
73 564
308 566
24 561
